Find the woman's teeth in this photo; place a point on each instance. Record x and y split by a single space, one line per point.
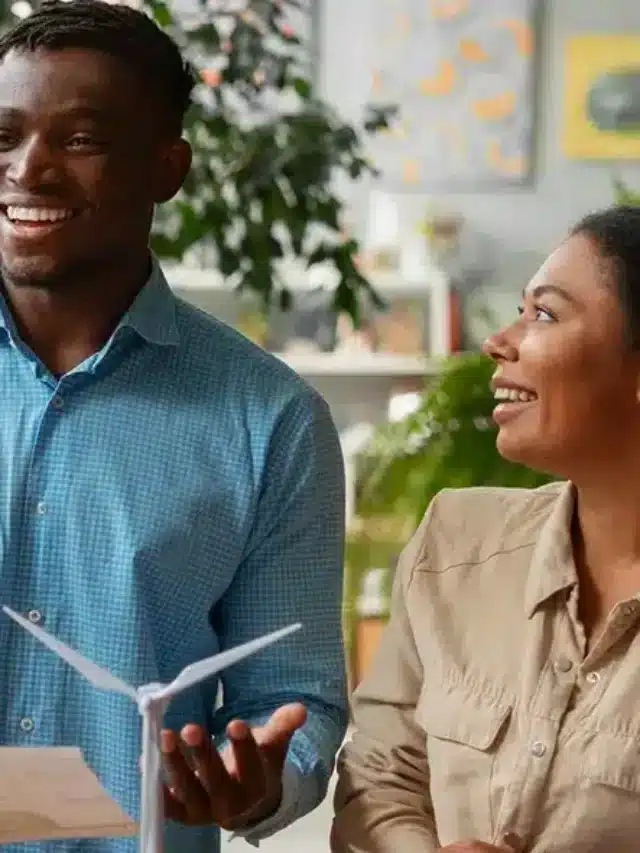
37 214
513 395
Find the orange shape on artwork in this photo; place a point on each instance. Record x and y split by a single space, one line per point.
494 109
447 8
472 51
454 137
522 33
442 83
376 83
512 166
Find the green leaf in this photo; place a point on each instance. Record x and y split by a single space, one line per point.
302 87
161 13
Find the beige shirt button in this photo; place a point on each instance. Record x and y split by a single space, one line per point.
538 749
513 840
593 677
564 664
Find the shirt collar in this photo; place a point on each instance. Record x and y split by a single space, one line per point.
552 566
152 314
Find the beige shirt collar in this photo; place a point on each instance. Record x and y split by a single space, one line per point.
553 569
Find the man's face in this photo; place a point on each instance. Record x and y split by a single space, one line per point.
83 161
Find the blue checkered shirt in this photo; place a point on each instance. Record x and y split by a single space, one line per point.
177 493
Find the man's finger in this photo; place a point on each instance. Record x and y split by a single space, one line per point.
249 764
281 725
181 780
207 763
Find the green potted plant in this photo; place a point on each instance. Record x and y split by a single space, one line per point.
448 442
267 151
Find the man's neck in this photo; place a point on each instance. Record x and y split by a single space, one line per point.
66 324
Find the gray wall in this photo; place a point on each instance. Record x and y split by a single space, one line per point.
521 224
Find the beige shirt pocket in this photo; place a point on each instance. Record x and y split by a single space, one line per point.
608 797
463 733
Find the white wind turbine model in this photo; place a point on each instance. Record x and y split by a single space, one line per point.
152 701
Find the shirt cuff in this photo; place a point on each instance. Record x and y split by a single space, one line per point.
285 814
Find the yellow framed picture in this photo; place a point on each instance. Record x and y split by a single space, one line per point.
602 97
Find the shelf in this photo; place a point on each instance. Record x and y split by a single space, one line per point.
299 279
361 365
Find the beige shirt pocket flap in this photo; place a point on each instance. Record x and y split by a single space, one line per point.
612 760
461 717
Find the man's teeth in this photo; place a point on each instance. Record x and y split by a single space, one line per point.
37 214
513 395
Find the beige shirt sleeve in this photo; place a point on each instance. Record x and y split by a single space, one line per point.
382 798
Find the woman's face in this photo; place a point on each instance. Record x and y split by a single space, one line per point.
566 383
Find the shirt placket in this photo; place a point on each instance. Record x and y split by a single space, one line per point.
545 698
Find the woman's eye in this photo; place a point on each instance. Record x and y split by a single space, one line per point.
544 316
540 315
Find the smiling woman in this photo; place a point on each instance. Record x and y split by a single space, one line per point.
504 702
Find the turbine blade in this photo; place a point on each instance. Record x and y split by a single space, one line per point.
99 677
196 672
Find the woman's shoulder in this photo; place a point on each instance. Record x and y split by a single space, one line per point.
464 526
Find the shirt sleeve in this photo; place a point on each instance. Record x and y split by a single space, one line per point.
292 571
382 799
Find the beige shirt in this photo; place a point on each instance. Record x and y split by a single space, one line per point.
483 716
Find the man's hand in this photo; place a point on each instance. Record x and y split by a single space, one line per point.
234 788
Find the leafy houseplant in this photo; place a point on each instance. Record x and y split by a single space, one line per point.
449 442
267 152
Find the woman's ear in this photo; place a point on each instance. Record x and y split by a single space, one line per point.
174 163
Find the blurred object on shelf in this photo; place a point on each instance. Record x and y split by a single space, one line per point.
254 324
310 326
382 242
352 340
442 232
401 329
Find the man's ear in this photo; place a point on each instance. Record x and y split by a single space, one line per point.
174 163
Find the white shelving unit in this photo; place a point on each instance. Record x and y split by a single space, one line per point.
196 285
360 365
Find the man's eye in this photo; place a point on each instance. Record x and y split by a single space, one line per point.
84 140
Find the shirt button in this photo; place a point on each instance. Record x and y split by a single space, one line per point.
57 403
538 749
593 677
34 616
41 508
564 664
512 840
27 724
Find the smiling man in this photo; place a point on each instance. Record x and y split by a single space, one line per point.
167 489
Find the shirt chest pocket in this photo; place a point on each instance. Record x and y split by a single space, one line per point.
611 762
463 733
